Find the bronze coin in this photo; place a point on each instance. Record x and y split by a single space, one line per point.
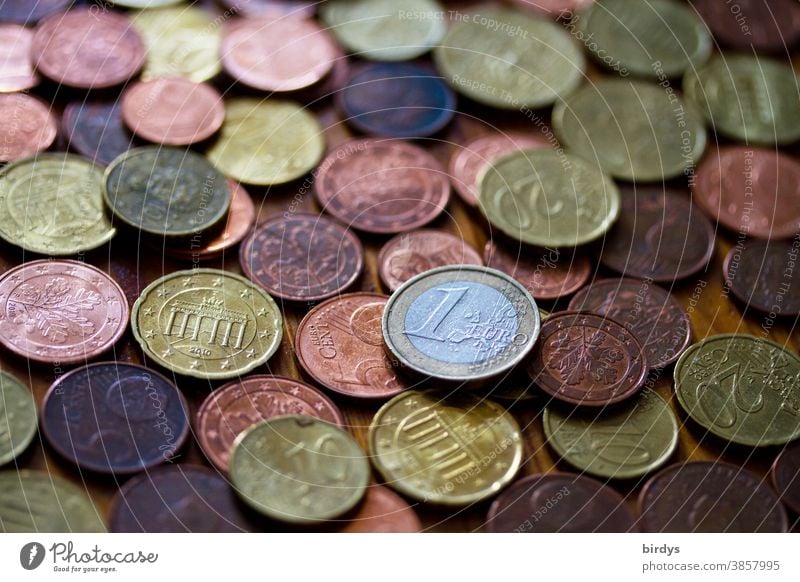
546 273
469 162
172 110
16 67
415 252
655 317
587 360
30 11
383 511
339 344
660 235
750 191
302 257
559 502
786 476
760 273
382 186
27 126
88 49
765 25
231 409
96 130
710 497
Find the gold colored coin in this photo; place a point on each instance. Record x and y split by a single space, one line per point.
18 417
34 501
299 469
53 204
181 42
267 142
445 450
207 323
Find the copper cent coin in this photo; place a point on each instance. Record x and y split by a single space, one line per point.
96 130
547 274
340 345
415 252
60 311
469 162
767 25
26 126
710 497
88 49
277 53
786 476
30 11
750 191
660 235
383 511
304 257
16 67
233 408
587 360
655 317
382 186
559 502
172 110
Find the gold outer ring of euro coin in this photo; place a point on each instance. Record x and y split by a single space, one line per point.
463 448
207 324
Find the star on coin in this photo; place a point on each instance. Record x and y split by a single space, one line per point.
167 353
251 353
295 391
149 334
163 292
262 312
187 282
42 269
71 271
194 365
217 282
148 311
225 364
245 294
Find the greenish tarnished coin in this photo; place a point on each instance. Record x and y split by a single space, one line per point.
167 192
53 204
18 417
752 99
207 323
617 443
298 469
655 38
742 388
509 60
385 30
34 501
548 198
634 130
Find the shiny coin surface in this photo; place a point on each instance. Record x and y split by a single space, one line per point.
460 324
409 254
382 186
747 98
267 142
207 323
621 443
510 60
233 408
603 120
38 502
53 205
547 199
660 38
95 130
710 497
656 318
763 25
27 126
786 476
382 30
16 67
18 418
396 100
60 311
741 388
177 499
587 360
560 502
340 345
305 257
760 274
115 418
166 192
383 511
299 469
445 449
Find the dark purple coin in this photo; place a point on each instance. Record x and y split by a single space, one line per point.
786 476
711 497
765 25
281 8
177 499
396 100
660 235
655 317
30 11
764 274
559 502
117 418
96 130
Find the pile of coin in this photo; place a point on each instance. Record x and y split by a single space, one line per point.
233 272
